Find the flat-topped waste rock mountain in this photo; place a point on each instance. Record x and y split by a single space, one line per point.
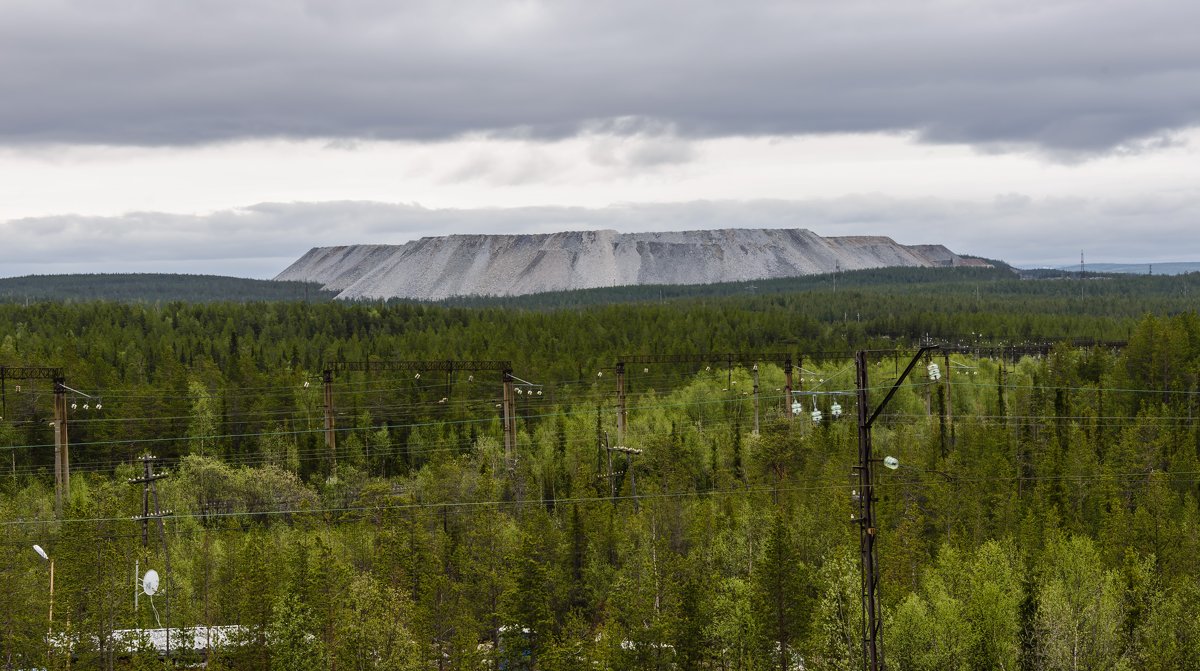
508 265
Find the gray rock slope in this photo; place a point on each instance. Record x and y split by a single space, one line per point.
506 265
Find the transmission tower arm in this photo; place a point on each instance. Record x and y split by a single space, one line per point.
730 358
29 373
444 365
899 381
448 366
24 373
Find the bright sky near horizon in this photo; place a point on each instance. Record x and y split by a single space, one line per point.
230 137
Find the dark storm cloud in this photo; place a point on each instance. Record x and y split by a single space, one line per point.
1068 77
262 240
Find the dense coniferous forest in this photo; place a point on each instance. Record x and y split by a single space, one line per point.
1043 516
153 288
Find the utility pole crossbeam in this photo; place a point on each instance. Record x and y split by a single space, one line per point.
448 366
868 529
729 359
443 365
23 373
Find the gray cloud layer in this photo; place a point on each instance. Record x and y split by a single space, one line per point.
1066 76
262 240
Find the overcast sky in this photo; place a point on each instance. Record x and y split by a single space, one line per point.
229 136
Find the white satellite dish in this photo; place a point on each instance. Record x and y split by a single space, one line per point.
891 462
150 582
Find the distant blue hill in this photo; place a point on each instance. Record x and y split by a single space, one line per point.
1177 268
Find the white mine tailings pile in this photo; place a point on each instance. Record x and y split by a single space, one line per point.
508 265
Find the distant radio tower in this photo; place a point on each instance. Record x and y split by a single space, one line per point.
1081 274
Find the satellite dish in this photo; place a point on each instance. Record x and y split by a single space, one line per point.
891 462
150 582
41 553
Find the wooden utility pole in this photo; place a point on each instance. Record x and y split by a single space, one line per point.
62 453
149 482
330 432
509 417
754 370
62 462
872 635
948 407
621 411
872 619
787 387
629 453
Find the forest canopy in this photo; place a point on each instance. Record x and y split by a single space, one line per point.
1044 514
